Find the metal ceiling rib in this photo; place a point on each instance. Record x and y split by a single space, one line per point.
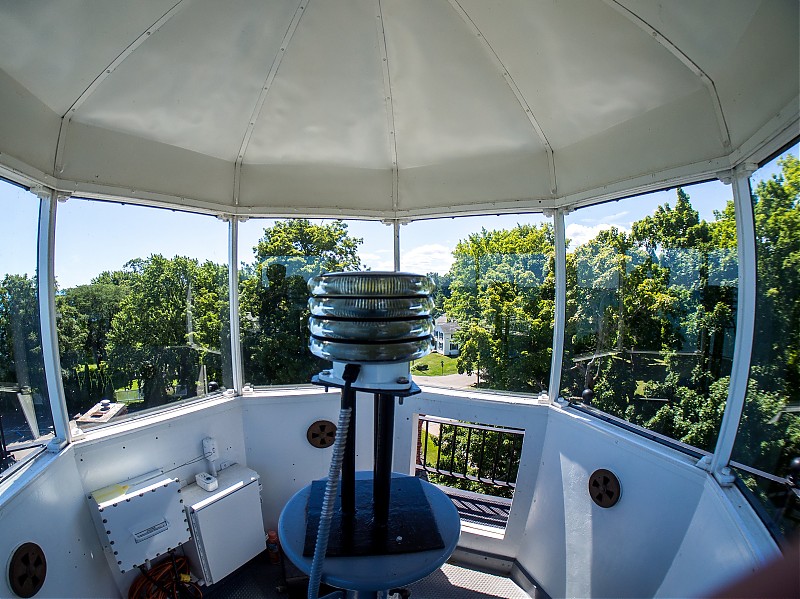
517 92
58 165
724 132
273 71
387 86
395 98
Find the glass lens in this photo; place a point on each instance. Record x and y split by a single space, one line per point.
373 307
370 284
370 330
363 352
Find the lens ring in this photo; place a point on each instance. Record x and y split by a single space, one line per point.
370 284
363 352
370 330
370 307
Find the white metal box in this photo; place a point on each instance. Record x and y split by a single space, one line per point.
139 522
226 523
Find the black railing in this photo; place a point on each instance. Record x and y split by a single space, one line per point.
460 451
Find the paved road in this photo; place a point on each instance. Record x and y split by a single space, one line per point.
450 381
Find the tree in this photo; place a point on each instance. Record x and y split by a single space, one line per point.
20 342
85 314
702 270
167 324
274 297
776 207
502 295
21 362
441 291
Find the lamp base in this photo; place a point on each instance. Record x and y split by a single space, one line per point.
377 377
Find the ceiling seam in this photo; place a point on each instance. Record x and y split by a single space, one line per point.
722 123
517 93
389 103
273 71
66 119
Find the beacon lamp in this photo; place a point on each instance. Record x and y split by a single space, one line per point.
379 321
371 325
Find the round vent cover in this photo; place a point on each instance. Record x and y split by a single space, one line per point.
604 488
27 570
321 434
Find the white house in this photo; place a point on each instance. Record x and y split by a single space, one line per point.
443 331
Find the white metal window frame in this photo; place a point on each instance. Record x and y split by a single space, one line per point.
717 463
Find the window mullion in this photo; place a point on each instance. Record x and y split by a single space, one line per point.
559 317
48 203
745 324
233 299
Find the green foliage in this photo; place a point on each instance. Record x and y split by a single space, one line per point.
167 325
274 297
85 314
20 342
651 318
502 295
441 292
777 340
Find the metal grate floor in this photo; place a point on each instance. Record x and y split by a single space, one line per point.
258 579
450 581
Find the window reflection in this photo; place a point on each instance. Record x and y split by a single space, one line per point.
651 310
769 432
142 308
278 258
494 298
25 418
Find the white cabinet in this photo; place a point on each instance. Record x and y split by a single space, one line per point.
226 524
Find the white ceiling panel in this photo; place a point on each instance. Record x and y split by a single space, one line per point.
390 108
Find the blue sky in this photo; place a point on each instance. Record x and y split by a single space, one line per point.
95 236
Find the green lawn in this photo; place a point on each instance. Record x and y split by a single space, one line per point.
431 450
437 365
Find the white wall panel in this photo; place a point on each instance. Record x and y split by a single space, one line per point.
51 511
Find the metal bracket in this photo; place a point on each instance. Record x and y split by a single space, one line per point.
551 212
44 193
227 218
56 445
745 169
704 463
724 476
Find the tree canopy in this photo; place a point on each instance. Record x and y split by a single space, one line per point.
274 296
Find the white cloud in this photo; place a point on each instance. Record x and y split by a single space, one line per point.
618 219
580 234
427 258
378 260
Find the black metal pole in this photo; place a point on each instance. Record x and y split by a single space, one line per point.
382 474
349 461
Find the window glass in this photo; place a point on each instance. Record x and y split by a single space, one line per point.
277 258
26 421
142 308
651 309
494 298
769 432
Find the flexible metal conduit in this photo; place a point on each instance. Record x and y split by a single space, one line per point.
328 502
